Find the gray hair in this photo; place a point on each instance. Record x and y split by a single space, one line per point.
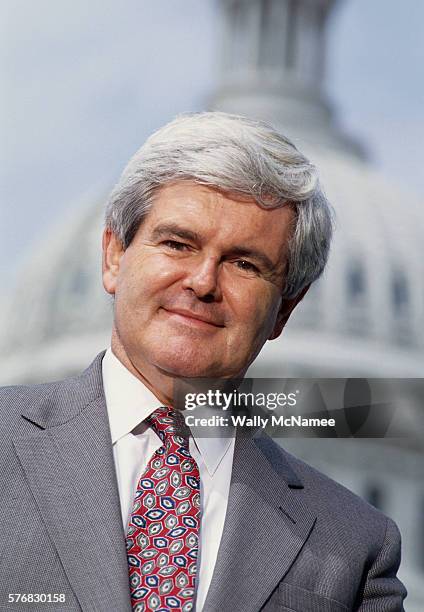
238 155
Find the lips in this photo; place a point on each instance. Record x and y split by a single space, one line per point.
194 316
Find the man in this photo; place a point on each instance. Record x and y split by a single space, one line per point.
214 233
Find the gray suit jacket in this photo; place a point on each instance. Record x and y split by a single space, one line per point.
293 539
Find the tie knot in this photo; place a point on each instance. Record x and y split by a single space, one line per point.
169 424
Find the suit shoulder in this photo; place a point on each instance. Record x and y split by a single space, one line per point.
49 404
16 399
14 395
335 500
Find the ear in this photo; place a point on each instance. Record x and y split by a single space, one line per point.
286 308
112 252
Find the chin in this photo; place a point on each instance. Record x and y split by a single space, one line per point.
187 364
187 370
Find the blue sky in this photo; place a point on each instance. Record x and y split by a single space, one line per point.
83 83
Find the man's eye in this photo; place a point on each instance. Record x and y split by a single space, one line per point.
175 245
246 265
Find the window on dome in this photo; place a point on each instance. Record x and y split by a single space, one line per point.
356 282
400 293
357 321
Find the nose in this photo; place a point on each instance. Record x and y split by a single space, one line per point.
202 279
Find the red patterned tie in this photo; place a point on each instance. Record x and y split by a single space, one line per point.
162 537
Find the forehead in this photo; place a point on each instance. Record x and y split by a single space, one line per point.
214 213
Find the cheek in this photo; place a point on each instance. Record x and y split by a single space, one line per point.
254 307
147 276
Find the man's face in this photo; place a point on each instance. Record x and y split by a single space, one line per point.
198 290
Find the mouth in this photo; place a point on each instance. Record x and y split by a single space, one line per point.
190 318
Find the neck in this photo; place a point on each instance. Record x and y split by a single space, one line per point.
159 383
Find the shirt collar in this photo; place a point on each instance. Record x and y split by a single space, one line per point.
129 402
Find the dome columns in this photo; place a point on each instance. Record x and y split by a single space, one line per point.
273 60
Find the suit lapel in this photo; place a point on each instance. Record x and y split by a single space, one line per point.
70 470
265 528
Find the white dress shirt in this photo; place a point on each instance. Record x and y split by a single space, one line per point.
128 403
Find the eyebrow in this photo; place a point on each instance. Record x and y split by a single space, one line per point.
173 229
